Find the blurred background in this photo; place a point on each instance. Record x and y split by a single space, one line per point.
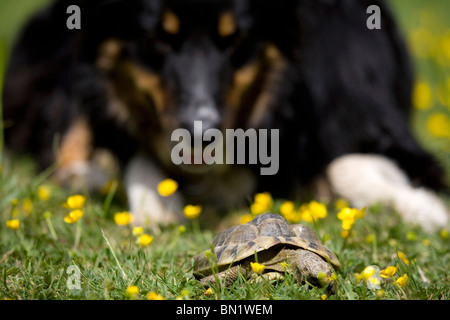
426 26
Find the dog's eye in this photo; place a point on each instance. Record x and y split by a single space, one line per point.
171 23
227 25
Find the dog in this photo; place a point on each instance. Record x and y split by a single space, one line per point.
337 93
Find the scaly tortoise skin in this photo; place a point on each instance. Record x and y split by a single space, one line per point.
275 241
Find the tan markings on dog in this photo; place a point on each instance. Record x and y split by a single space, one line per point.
243 79
170 22
150 83
275 65
227 24
108 53
76 145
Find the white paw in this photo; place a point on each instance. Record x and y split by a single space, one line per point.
423 207
147 206
369 179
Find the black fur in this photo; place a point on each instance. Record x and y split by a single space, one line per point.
347 88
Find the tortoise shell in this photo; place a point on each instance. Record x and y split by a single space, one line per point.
264 232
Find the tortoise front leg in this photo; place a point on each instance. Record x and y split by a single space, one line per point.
225 277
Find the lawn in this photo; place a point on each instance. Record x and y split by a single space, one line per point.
42 255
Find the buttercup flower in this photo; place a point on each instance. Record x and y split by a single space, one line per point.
145 240
133 290
13 224
209 292
167 187
191 211
246 218
313 211
340 203
443 234
366 273
388 272
154 296
403 280
43 192
73 216
27 205
348 216
181 229
422 96
438 125
403 257
137 231
76 202
123 218
263 203
257 268
288 211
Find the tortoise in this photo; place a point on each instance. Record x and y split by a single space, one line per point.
279 246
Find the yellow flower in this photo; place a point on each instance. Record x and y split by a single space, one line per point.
370 238
181 229
403 280
313 211
209 292
123 218
73 216
366 273
438 125
137 231
75 202
13 224
341 203
14 202
154 296
422 97
257 268
411 236
443 234
133 290
380 294
246 218
323 297
43 192
288 211
145 240
287 207
347 224
167 187
403 257
191 211
348 216
263 203
344 233
426 242
389 271
27 205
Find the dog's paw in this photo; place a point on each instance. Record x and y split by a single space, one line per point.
369 179
422 207
147 206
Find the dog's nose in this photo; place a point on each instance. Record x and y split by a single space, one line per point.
201 118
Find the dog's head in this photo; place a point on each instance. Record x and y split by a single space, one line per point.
181 61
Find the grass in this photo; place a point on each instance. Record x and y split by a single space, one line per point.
34 259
